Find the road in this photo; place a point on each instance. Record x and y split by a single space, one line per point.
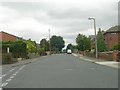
60 71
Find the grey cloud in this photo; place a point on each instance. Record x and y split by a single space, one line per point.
66 19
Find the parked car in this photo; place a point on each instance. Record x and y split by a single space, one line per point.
69 51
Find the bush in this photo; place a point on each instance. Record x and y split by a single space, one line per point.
117 47
17 48
7 58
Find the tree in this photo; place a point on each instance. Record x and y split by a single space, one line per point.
83 42
44 44
57 43
31 46
70 46
100 41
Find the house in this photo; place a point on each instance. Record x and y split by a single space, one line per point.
112 37
4 36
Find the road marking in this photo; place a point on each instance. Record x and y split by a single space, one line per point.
4 84
4 75
12 77
8 80
12 70
14 74
22 67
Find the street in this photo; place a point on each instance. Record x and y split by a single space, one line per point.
60 71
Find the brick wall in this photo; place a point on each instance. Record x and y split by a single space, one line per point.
112 39
7 37
108 56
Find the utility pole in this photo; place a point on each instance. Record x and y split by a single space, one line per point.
96 48
49 41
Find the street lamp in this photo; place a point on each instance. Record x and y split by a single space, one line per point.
96 48
49 41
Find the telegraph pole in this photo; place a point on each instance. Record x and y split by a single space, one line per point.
49 42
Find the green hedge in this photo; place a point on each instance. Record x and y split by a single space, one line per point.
17 48
7 58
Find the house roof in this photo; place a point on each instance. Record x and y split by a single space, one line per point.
8 33
113 29
12 35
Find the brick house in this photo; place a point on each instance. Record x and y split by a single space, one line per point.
112 37
8 37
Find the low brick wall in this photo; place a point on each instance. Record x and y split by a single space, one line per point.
108 56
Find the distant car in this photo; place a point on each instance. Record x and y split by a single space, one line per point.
69 51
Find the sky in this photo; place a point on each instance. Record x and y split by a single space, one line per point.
66 18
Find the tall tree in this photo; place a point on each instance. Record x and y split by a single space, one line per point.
57 42
44 44
83 42
100 41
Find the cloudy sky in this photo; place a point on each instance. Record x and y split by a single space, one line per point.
67 18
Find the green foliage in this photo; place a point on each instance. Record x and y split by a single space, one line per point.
100 41
41 51
31 46
44 44
83 42
6 58
70 46
18 49
57 43
117 47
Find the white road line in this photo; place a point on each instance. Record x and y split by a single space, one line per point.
14 74
12 70
8 80
4 84
12 77
22 67
4 75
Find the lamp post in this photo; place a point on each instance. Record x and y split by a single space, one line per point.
96 48
49 41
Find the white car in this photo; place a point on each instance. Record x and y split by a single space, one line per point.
69 51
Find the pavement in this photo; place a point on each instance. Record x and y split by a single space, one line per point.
112 64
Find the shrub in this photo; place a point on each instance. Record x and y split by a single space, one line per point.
117 47
7 58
